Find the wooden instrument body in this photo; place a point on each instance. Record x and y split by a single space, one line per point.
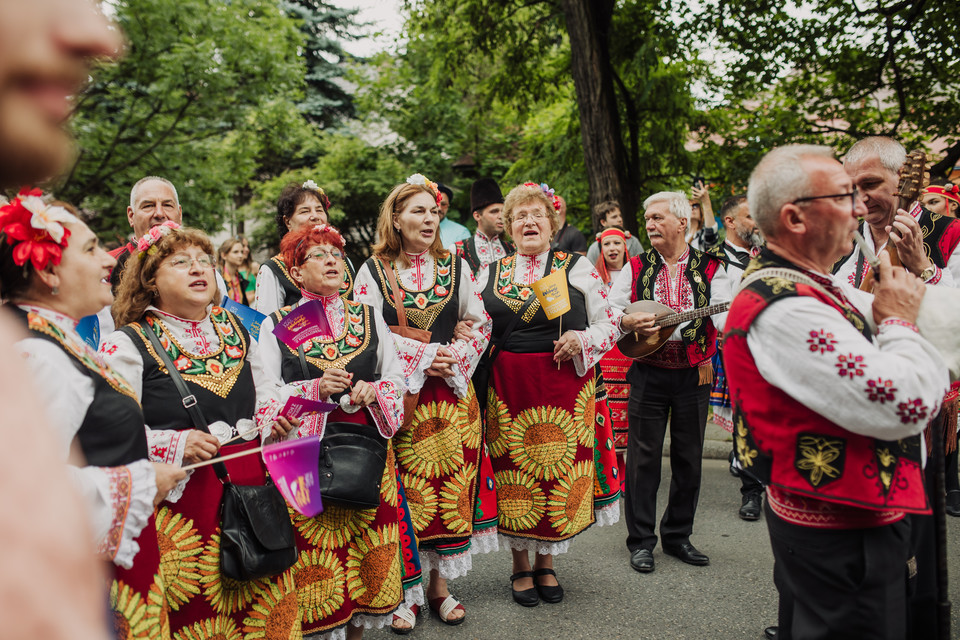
635 345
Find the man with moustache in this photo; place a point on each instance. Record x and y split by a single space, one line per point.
47 569
487 244
672 384
828 407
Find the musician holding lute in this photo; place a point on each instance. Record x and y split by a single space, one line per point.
669 296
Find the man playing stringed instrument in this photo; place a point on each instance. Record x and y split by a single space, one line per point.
672 382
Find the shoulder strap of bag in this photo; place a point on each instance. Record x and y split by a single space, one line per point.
303 363
395 288
189 400
498 347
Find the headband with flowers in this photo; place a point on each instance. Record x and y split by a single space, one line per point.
36 229
948 191
613 231
313 186
547 191
146 244
421 180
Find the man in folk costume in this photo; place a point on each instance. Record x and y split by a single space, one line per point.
487 244
742 242
928 245
672 383
831 388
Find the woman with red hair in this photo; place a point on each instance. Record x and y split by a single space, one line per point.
353 554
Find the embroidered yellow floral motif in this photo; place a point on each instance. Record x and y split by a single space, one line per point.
745 453
816 455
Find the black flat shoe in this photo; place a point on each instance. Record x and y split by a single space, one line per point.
527 597
770 633
688 553
551 594
953 503
642 560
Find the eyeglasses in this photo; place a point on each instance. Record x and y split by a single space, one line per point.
533 215
183 263
837 197
322 254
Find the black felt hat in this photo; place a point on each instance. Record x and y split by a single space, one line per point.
442 188
484 193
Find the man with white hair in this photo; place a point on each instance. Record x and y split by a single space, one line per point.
831 388
671 384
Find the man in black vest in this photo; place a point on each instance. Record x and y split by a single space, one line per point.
673 383
487 245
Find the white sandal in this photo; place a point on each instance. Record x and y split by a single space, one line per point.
408 615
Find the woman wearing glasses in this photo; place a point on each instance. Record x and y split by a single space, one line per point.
412 277
351 559
168 289
541 417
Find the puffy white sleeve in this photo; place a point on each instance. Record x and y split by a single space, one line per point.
122 355
621 289
269 293
602 329
387 413
889 388
415 356
118 500
468 352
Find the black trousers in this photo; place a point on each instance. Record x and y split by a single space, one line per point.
656 395
840 584
748 482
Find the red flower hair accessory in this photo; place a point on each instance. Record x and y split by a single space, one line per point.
421 180
35 228
145 245
548 191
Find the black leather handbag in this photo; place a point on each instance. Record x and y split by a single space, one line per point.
352 460
256 534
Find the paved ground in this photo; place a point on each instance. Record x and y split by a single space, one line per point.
732 598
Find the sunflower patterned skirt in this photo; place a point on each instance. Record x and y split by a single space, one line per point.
542 436
439 455
350 563
138 599
205 604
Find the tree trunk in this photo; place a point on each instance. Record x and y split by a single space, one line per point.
588 26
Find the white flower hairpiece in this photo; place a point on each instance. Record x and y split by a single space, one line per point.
46 218
310 184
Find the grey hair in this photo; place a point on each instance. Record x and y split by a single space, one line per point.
778 179
142 181
891 153
679 205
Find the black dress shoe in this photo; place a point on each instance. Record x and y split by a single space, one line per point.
770 633
687 553
953 503
527 597
642 560
552 594
750 509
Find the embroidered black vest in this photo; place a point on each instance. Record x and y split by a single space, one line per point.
788 445
534 333
700 336
435 309
222 382
467 249
354 350
291 292
112 432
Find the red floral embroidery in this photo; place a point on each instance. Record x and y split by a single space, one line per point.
112 349
850 365
821 341
880 390
182 363
911 411
234 351
362 290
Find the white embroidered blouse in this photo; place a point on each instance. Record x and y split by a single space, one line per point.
418 357
119 500
602 330
387 412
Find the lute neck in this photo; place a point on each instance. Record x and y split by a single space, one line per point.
693 314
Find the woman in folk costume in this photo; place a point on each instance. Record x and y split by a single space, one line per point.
439 447
541 416
300 206
169 289
52 272
353 556
614 365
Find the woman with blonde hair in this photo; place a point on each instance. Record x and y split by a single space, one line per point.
167 297
230 262
541 423
423 292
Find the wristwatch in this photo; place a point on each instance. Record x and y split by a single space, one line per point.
928 273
